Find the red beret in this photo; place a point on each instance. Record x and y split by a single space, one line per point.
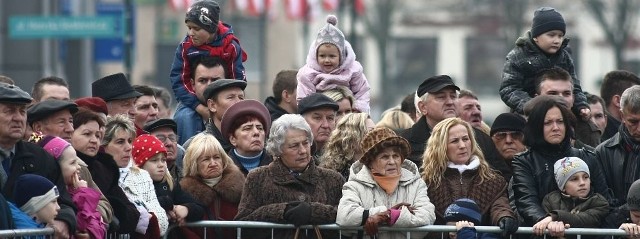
95 104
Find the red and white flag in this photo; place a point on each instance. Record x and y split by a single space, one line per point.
180 5
330 5
359 6
253 7
295 9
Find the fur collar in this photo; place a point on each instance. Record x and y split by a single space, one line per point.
229 188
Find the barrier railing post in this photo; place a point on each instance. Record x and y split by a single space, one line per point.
239 225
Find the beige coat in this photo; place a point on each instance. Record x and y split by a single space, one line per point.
362 193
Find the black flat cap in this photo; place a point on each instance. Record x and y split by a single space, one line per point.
214 88
316 101
159 123
113 87
13 94
44 109
434 84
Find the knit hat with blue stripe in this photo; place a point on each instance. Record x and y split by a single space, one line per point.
463 209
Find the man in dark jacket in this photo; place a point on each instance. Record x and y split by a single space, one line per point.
19 157
620 155
283 100
614 83
438 96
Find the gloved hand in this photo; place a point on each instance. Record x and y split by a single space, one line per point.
297 213
371 226
509 226
400 205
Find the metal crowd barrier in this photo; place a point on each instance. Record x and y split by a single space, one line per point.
430 228
27 233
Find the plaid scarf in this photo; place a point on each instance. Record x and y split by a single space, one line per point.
631 164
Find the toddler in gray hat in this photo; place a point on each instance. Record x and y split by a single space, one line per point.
573 204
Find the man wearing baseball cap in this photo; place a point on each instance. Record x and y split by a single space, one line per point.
436 100
506 133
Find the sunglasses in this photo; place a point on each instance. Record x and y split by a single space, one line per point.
515 135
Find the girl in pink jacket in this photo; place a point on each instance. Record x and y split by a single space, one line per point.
331 62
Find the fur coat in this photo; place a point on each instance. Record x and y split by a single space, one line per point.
220 201
270 188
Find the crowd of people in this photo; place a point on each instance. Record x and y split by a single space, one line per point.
123 161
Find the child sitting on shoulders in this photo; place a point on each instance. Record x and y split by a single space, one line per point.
207 35
543 47
331 62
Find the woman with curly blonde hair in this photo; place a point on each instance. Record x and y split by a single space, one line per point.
454 167
343 147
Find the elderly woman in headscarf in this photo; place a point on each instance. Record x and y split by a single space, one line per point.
214 181
343 147
454 167
291 189
385 189
244 124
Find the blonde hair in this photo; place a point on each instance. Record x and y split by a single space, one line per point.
339 93
203 144
395 120
167 175
435 160
340 150
115 123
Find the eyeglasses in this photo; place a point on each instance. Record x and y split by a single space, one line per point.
515 135
171 138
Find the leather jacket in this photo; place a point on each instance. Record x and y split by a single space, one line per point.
612 156
533 179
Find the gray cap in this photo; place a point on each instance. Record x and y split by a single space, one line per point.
44 109
316 101
13 94
214 88
633 197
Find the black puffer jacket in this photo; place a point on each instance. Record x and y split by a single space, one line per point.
533 179
522 66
